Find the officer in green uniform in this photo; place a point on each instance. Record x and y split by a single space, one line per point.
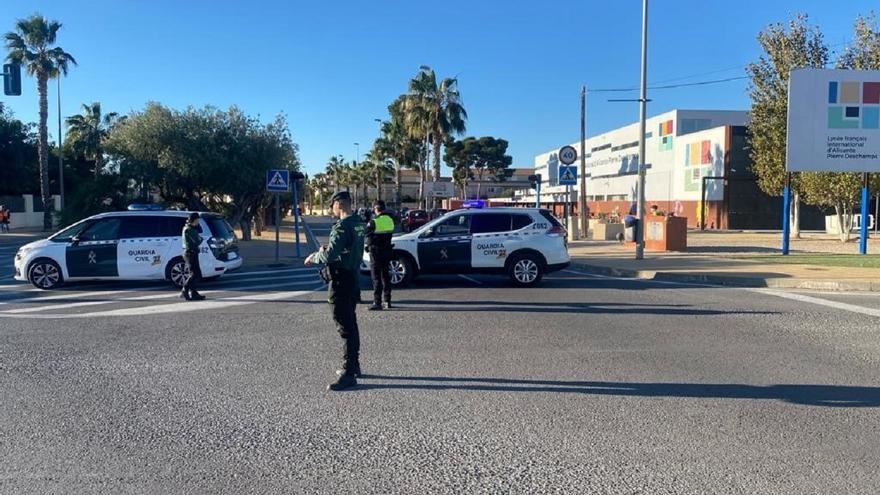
378 243
343 255
191 242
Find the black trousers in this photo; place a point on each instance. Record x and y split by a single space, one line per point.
195 271
343 295
381 276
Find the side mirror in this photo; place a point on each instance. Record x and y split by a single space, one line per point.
428 233
74 240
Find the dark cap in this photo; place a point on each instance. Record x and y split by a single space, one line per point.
340 196
379 205
193 216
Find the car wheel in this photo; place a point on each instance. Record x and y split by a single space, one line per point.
45 274
525 270
176 272
400 268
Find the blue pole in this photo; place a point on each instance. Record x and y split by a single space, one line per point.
863 230
296 218
786 217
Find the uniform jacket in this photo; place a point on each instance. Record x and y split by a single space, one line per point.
377 235
346 246
191 239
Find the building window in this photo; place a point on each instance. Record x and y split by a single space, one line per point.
688 126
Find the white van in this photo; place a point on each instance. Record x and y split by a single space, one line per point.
129 245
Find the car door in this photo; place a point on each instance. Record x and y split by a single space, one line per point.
142 249
491 239
93 253
446 247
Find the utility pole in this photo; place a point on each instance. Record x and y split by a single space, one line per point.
582 192
643 98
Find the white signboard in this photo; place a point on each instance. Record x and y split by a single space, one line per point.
439 189
833 121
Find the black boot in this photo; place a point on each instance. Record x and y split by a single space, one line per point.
387 305
345 381
195 296
376 306
184 294
350 370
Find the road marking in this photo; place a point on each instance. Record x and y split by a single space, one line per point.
263 272
469 279
771 292
173 307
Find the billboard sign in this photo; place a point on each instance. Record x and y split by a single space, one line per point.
833 121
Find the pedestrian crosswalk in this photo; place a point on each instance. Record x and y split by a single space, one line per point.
106 299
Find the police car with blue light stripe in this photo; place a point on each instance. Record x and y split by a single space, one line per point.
524 243
141 244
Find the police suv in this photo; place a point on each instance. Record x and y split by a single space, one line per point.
129 245
524 243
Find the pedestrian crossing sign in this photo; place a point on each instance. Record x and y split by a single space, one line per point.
277 180
567 175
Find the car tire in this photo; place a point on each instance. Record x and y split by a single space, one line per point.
176 272
401 270
45 274
525 270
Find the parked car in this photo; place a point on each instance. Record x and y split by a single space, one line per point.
523 243
437 213
413 219
127 245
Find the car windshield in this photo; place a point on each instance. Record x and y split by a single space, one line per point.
219 227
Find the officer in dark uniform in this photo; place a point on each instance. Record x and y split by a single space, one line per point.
378 243
342 255
191 242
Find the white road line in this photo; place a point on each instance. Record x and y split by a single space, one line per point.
770 292
469 279
243 274
174 307
258 278
75 295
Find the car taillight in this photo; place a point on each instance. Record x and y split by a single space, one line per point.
556 231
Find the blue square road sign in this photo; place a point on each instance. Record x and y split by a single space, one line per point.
277 180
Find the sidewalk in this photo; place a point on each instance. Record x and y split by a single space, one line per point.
718 267
261 250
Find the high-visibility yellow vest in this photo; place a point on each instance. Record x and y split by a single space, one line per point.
384 224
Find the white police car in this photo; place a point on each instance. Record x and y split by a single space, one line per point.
524 243
129 245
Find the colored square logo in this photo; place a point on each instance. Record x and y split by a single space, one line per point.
664 130
853 105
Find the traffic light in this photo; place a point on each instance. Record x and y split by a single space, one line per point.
534 180
12 79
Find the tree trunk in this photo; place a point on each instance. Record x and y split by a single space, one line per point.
436 177
43 150
844 225
397 183
796 216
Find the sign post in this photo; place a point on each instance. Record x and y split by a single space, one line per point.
833 126
297 176
277 181
567 176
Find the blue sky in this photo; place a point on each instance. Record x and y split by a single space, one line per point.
333 67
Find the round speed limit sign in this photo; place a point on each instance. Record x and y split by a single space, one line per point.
568 155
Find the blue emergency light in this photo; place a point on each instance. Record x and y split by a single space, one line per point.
473 203
145 207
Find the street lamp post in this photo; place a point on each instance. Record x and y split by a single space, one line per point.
60 143
640 205
357 155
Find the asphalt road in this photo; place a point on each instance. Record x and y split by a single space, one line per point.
582 385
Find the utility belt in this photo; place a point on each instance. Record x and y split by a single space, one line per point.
329 273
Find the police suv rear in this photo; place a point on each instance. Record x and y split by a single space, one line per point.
524 243
129 245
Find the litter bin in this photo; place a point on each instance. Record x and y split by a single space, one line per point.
630 228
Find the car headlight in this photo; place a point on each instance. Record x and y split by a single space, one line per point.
22 251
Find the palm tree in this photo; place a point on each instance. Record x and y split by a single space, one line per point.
31 45
378 169
86 133
320 183
335 172
434 111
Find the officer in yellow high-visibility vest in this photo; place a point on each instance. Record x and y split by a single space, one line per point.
377 242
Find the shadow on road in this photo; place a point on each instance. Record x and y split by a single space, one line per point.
810 395
565 307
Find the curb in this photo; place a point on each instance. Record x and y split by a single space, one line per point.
749 282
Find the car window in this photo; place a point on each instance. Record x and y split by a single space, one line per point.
102 230
66 234
521 221
419 214
549 216
219 228
171 226
457 225
139 227
487 223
